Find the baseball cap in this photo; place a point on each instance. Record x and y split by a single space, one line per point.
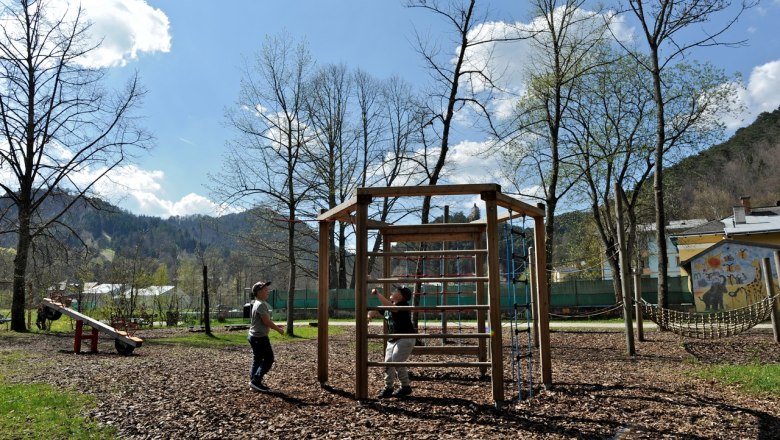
259 285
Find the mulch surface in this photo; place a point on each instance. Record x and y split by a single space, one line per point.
168 391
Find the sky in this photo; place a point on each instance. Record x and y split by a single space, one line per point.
189 56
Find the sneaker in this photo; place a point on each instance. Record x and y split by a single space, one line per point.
403 391
386 392
259 386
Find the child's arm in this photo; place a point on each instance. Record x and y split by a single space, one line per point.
381 298
270 324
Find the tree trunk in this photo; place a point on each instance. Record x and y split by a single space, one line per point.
658 187
20 267
291 279
206 318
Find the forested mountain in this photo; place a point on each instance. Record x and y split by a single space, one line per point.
708 184
105 232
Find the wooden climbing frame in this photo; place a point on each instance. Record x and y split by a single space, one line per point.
486 278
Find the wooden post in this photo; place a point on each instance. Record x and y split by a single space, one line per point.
323 282
77 340
543 300
494 297
640 329
624 274
531 281
361 297
769 282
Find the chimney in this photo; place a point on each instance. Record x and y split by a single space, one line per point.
745 201
739 215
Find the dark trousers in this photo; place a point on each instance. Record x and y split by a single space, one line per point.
262 357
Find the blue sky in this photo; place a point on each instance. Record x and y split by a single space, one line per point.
189 55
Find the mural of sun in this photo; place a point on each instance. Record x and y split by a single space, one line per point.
714 261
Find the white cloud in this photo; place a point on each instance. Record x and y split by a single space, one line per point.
126 27
150 204
142 192
760 94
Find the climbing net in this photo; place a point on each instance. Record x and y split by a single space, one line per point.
714 325
601 311
515 266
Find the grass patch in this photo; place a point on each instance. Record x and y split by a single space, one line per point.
33 411
239 338
752 378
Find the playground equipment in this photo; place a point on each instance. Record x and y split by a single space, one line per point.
124 342
487 274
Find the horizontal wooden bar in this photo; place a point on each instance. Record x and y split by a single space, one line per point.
340 210
442 308
427 190
466 252
434 232
429 364
422 350
408 280
428 335
515 205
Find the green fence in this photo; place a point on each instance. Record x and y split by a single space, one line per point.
574 294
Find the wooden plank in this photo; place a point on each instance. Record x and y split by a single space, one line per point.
543 302
361 299
420 237
422 350
432 308
456 252
428 190
430 364
427 335
494 297
339 210
515 205
323 282
408 280
94 323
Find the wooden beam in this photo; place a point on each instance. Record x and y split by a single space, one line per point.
515 205
428 190
428 335
412 280
434 232
460 350
456 252
494 297
339 211
430 364
432 308
544 301
322 302
361 298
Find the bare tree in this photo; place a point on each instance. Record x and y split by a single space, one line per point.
456 83
57 121
267 161
333 155
666 27
566 41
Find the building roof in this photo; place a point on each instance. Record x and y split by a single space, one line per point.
761 220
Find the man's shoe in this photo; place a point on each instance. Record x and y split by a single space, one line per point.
403 391
259 386
386 392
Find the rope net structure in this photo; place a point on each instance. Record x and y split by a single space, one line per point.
601 311
714 325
